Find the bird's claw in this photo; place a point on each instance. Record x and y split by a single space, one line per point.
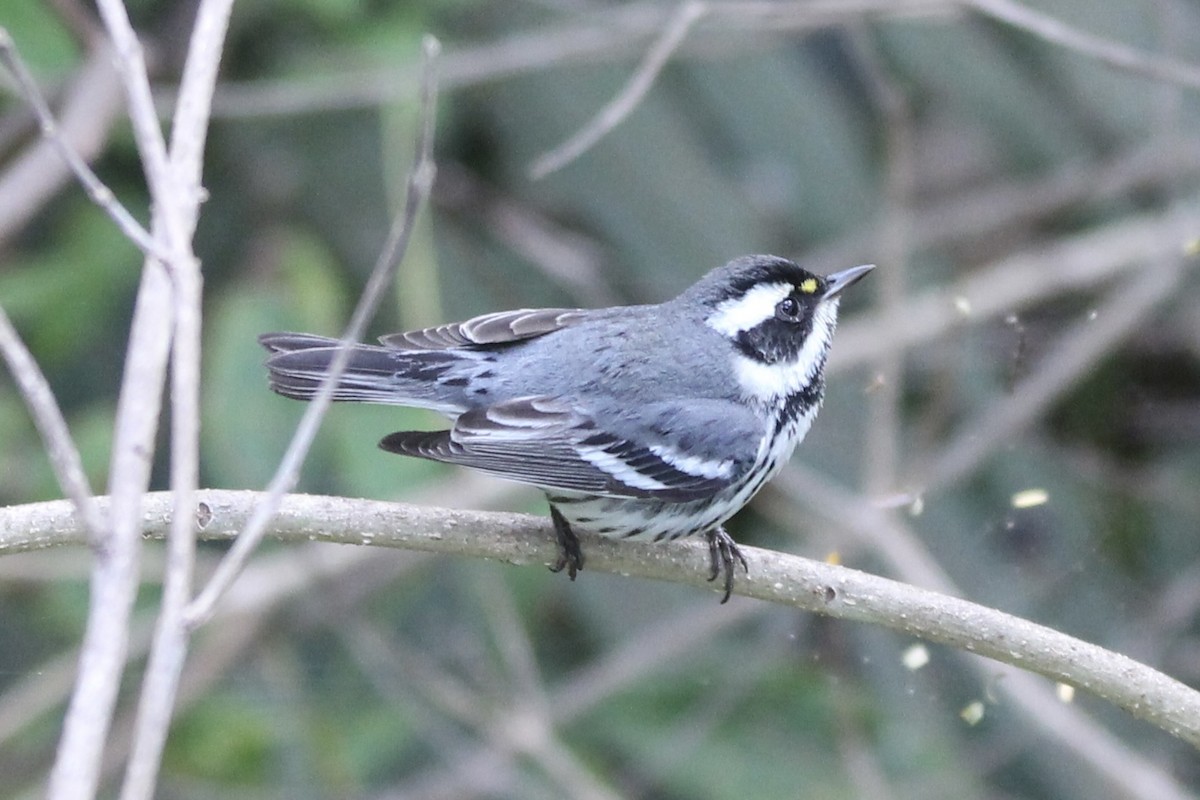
723 551
570 555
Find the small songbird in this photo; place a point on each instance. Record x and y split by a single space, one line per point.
648 422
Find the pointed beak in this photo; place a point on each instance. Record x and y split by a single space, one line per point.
838 282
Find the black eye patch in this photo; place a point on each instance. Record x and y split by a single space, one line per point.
780 337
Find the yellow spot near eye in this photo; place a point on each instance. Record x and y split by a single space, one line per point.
809 286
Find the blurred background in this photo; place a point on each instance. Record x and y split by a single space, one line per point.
1012 412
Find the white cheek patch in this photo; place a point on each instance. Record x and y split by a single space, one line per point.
756 306
766 382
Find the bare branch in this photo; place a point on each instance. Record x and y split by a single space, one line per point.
114 577
131 64
622 32
39 398
1069 264
419 186
773 577
99 194
881 454
91 105
1106 51
171 637
686 15
807 491
1093 338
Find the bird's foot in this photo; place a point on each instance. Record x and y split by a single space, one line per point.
570 555
723 551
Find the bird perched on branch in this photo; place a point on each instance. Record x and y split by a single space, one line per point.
648 422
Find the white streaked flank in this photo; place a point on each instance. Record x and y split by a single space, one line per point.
756 306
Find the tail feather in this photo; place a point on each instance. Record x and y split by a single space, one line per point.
299 362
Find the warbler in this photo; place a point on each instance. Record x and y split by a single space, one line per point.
643 422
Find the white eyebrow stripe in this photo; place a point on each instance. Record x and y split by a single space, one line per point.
756 306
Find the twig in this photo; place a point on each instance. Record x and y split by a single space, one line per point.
99 194
90 107
774 577
171 636
686 15
170 642
624 31
1070 264
1106 51
39 398
567 258
881 452
1127 305
628 26
152 147
419 186
44 688
908 558
525 723
660 647
115 574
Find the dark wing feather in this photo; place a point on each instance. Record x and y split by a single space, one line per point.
547 443
498 328
288 342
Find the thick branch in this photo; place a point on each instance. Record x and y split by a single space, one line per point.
775 577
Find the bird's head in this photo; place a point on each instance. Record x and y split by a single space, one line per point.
778 317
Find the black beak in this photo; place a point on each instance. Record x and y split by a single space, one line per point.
838 282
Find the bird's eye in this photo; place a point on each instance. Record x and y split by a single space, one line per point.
788 309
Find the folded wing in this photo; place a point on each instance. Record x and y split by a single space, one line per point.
672 451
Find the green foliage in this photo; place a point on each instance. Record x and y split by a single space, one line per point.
227 739
43 41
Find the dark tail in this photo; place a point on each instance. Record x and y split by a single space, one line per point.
299 363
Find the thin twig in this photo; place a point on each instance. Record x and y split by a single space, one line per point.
880 457
686 15
115 572
628 26
114 581
99 194
1127 305
170 645
90 106
512 641
658 648
908 558
1106 51
623 33
43 688
1016 282
39 398
152 147
774 577
419 186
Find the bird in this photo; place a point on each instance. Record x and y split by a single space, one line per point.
640 422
